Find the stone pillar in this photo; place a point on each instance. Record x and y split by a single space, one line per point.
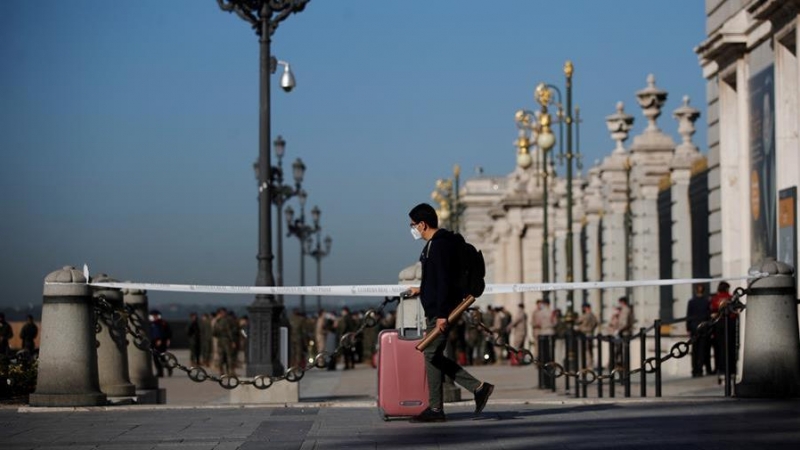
67 357
615 191
112 352
683 161
140 361
651 154
771 362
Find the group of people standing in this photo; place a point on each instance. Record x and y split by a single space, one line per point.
311 335
27 334
217 339
546 325
699 312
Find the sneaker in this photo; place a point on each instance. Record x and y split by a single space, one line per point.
430 415
482 396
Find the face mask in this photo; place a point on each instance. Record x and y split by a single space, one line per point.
415 232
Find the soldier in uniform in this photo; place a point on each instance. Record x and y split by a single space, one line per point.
226 335
6 333
586 326
28 335
297 339
193 333
346 325
519 327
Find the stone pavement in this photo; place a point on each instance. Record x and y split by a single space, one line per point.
337 410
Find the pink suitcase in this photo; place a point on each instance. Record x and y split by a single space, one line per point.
402 381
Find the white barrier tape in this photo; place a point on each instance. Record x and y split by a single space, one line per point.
586 285
380 290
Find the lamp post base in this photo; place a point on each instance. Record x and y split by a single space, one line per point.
263 352
282 392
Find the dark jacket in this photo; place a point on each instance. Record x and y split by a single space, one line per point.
697 312
439 292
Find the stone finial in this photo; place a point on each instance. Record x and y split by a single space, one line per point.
68 281
651 99
133 291
67 274
619 124
686 116
104 278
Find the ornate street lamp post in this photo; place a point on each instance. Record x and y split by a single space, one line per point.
302 231
318 253
542 137
446 195
265 312
282 192
564 157
565 116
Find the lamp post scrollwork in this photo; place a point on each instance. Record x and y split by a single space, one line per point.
319 251
303 232
280 194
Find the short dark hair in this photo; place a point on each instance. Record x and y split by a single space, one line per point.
424 213
723 286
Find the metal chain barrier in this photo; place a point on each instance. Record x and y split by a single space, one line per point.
587 376
135 327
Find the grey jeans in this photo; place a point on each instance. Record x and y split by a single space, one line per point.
438 365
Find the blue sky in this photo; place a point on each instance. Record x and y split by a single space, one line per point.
128 129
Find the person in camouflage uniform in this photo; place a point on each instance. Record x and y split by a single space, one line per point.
225 330
347 325
206 340
297 339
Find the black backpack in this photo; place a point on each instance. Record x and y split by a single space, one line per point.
471 267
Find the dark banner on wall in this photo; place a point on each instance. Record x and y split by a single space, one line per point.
787 226
763 206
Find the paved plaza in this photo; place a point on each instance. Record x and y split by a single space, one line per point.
337 410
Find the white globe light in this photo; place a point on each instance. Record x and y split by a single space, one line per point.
546 140
524 160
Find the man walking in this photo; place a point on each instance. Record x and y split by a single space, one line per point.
440 295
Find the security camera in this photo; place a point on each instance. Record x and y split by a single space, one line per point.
287 79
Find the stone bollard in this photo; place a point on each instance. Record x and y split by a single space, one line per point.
112 351
67 356
140 361
771 362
